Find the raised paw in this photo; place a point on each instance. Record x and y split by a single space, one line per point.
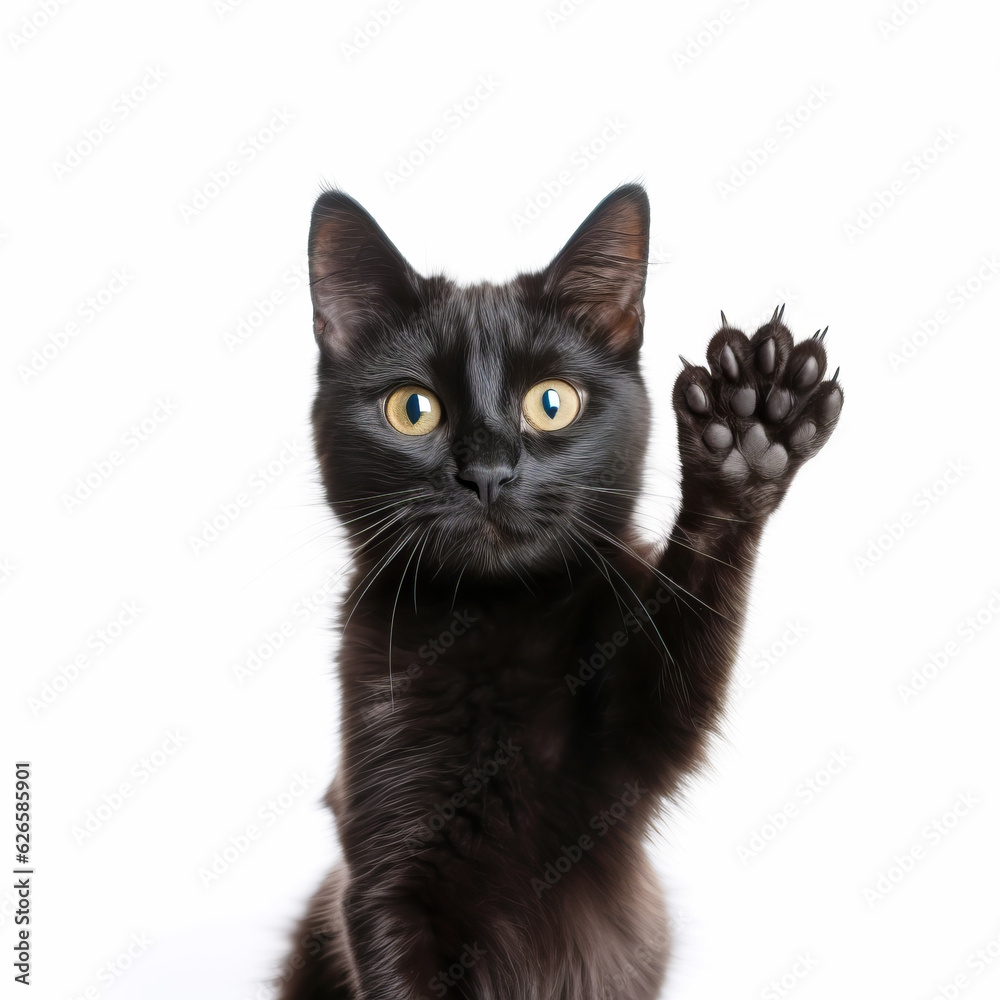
754 416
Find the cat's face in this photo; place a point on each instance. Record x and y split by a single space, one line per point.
492 430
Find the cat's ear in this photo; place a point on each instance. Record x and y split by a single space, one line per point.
599 276
358 278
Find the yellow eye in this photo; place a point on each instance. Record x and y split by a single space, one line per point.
551 405
413 410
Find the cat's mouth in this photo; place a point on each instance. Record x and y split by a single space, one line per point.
495 529
498 526
494 540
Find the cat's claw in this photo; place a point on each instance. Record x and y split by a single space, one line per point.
755 415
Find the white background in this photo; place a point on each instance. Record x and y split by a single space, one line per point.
728 232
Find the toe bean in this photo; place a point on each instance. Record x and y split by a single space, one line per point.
697 400
718 437
779 403
727 362
744 401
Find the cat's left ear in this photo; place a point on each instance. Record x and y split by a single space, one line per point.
599 276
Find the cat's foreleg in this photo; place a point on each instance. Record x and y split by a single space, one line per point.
746 423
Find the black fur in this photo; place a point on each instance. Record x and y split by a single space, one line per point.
523 683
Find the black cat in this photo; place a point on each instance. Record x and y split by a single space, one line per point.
523 683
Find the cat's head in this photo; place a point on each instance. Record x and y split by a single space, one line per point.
495 429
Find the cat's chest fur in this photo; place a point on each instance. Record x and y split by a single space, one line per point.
482 719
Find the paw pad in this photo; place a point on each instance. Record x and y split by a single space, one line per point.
756 413
718 437
779 404
766 354
744 401
697 399
727 360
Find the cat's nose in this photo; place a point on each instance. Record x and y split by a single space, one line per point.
487 480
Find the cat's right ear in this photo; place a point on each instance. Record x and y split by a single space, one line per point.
357 277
